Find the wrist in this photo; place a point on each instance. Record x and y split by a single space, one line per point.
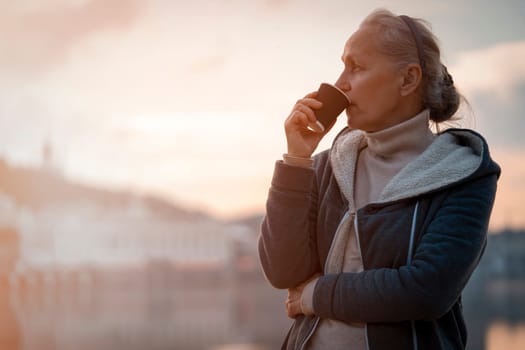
293 160
298 153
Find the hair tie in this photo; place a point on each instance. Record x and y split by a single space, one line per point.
417 38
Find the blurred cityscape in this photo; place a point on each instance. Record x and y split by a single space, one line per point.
86 268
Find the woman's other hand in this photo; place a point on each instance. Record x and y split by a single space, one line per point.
294 301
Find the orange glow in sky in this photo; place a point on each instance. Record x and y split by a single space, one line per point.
187 99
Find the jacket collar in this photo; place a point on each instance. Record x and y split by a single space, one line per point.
453 156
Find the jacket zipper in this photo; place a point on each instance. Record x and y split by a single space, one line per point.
356 229
361 256
309 335
409 261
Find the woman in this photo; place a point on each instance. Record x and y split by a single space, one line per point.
376 238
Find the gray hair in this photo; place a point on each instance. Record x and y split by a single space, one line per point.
396 40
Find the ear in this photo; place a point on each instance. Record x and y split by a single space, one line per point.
410 79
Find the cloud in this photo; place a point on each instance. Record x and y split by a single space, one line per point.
493 80
37 34
221 74
497 70
501 121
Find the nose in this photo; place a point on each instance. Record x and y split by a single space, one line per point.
343 83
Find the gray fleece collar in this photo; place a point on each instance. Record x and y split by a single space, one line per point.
444 162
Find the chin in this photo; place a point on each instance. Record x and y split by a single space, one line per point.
351 121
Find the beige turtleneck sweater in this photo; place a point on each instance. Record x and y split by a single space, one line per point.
386 152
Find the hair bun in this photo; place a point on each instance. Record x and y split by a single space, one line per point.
450 99
447 78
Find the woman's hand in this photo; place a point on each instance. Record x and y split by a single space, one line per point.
293 301
302 141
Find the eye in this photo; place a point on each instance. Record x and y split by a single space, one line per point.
352 66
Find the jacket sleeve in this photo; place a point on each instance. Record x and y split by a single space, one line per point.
287 248
446 255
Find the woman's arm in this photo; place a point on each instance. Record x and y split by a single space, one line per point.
287 244
445 257
287 247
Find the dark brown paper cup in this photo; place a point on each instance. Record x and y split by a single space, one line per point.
334 102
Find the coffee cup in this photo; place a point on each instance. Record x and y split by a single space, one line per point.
334 102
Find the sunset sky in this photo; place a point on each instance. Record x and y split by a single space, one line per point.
187 99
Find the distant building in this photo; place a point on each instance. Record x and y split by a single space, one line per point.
504 256
496 291
66 226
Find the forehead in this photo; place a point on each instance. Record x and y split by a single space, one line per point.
362 45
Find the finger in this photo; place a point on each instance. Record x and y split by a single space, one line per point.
289 309
312 103
299 118
308 112
293 309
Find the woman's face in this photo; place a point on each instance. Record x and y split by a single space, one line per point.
372 83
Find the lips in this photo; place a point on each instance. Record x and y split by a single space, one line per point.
349 109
